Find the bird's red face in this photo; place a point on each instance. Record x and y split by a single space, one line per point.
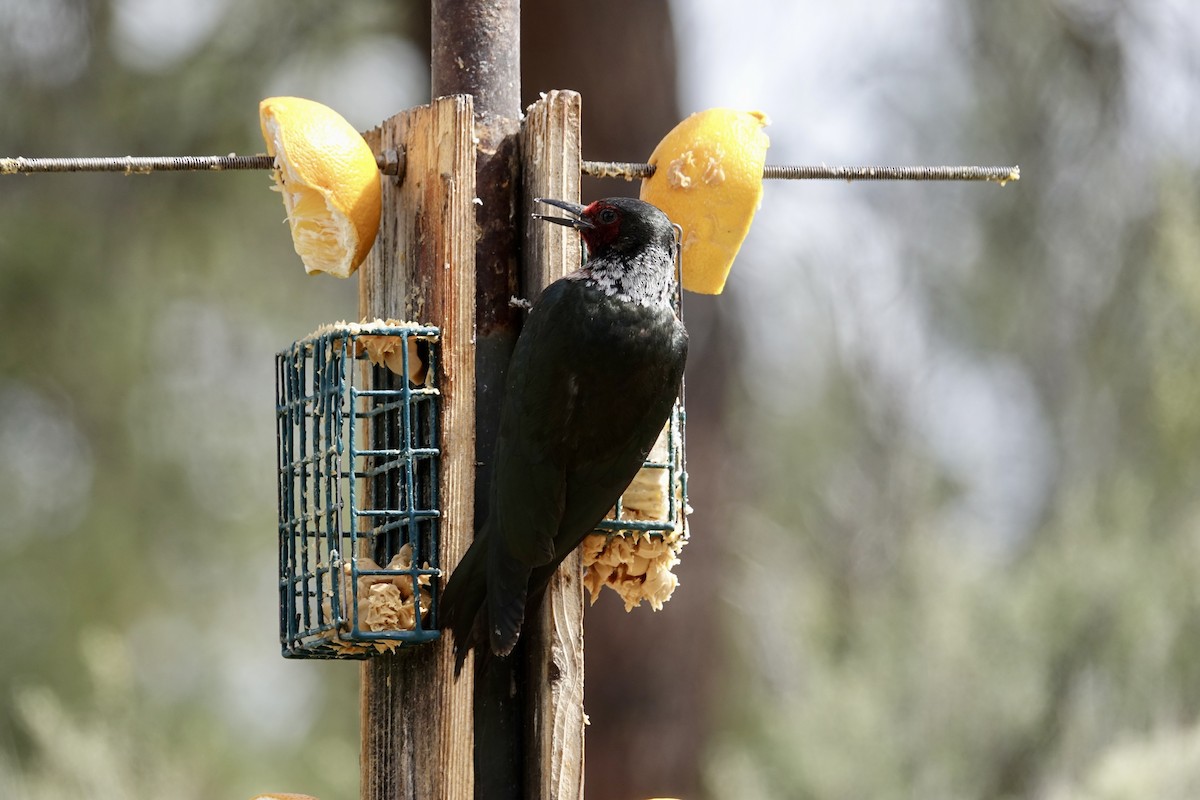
603 225
617 224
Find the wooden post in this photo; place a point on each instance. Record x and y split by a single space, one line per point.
554 747
416 719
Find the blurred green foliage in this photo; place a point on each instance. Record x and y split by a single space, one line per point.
141 315
896 634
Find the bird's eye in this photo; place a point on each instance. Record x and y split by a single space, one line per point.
607 216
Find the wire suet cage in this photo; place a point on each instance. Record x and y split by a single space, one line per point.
358 456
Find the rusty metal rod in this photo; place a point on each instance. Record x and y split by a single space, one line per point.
390 163
1001 175
134 165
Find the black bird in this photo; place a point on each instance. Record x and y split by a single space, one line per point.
591 383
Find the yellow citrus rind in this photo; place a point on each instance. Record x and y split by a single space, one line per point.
708 180
329 180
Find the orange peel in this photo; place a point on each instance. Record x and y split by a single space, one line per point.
329 180
708 180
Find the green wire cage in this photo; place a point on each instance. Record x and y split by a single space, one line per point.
656 501
634 549
357 416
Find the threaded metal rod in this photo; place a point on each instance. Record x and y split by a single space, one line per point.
1001 175
134 165
392 163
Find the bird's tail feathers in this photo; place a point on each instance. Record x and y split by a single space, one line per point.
463 601
508 582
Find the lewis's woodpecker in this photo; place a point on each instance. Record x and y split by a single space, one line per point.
591 383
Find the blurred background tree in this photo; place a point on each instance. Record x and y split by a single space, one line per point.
136 456
970 521
961 532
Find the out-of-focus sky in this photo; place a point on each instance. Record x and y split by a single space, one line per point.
841 87
842 84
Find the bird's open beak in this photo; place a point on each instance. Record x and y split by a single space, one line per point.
576 219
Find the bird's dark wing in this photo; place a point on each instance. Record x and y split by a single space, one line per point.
528 477
601 471
594 484
635 400
592 381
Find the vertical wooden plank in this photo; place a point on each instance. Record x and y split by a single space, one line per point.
476 50
417 722
554 754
